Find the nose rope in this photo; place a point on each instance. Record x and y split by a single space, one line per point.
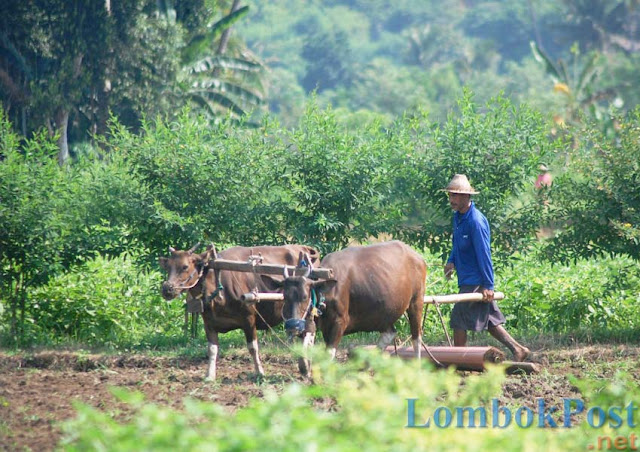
306 311
181 287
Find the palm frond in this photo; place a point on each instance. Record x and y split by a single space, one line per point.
224 87
222 62
543 58
217 98
229 19
588 72
203 42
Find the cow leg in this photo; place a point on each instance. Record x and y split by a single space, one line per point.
304 363
251 335
212 343
212 352
333 338
415 321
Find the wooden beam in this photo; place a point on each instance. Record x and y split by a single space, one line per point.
459 298
269 269
257 297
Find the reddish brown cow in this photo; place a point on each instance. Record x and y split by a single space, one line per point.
221 291
373 286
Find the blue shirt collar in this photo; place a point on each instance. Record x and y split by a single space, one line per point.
463 216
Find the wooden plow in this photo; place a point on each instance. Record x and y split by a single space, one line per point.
464 358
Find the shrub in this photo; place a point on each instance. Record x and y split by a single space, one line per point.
104 301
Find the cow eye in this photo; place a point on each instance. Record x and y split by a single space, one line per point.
184 267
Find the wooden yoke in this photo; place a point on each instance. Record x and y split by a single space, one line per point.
269 269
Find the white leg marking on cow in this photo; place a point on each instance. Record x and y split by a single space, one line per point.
253 350
332 352
304 363
309 340
417 347
385 339
212 351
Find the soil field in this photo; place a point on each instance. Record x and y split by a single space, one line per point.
37 391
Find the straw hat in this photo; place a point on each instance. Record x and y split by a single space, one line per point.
543 167
460 184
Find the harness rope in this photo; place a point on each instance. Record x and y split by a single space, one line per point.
189 278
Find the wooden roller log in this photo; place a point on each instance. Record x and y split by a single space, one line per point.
464 358
459 298
269 269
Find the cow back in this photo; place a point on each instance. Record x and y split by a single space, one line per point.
375 283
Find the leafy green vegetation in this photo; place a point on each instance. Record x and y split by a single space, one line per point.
362 111
368 397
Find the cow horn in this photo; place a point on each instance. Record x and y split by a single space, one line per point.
172 250
286 271
193 248
310 267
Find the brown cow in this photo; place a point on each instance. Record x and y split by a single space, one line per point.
373 286
221 291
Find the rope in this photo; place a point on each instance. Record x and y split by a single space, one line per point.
273 331
189 278
446 333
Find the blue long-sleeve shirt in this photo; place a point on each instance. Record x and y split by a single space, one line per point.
471 252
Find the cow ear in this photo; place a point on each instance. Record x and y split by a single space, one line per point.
270 283
325 286
164 262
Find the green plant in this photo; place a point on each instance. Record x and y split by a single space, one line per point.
105 302
370 402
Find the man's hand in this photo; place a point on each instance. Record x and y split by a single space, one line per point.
487 295
448 270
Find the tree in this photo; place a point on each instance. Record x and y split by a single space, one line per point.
329 59
67 65
212 68
580 85
50 52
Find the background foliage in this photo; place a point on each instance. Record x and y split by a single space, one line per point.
183 181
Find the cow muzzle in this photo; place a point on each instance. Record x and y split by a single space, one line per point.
295 326
169 291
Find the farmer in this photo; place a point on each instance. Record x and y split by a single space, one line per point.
471 258
544 179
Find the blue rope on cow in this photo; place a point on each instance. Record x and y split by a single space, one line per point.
217 291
